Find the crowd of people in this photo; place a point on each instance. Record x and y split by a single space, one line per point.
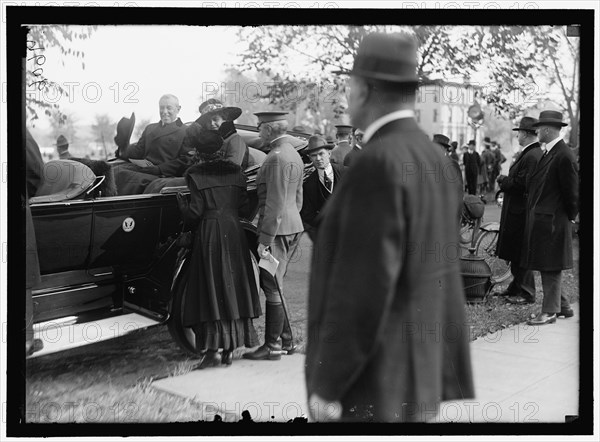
377 285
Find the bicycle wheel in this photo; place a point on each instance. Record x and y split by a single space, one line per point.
485 246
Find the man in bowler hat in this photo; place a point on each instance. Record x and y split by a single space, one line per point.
320 184
62 146
377 285
472 163
279 191
512 220
552 206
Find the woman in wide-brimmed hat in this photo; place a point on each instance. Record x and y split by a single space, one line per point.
221 294
215 116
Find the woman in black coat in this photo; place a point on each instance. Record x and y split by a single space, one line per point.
222 295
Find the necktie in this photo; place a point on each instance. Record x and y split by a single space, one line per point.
327 181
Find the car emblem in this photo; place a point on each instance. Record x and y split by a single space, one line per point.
128 224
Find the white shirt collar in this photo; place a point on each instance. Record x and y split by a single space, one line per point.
328 170
552 143
382 121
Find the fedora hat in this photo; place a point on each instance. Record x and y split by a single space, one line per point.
441 139
316 142
487 141
213 107
386 57
61 141
527 124
471 143
550 118
124 131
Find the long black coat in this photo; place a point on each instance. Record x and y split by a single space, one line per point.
315 195
385 270
512 219
220 282
552 201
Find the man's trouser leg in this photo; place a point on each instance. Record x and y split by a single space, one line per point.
553 296
523 283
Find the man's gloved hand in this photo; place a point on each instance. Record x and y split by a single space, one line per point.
263 250
152 170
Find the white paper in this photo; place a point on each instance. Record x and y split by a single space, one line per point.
141 163
269 263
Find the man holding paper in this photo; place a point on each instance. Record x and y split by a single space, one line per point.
159 151
279 189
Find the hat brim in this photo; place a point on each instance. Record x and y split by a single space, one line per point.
308 150
229 114
528 129
549 123
379 76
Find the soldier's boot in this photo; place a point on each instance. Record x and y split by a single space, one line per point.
271 349
287 339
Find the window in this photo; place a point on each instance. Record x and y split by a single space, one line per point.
418 115
435 115
450 115
436 97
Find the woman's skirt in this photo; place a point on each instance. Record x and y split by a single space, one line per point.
225 334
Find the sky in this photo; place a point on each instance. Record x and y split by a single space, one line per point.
128 68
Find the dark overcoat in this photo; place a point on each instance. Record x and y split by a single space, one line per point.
552 201
386 324
220 282
512 218
352 156
315 195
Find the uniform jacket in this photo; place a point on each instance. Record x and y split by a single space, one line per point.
340 151
384 271
163 147
512 219
552 201
279 190
314 196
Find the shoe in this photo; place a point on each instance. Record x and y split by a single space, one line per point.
543 319
289 347
210 359
227 357
35 345
520 300
271 349
567 312
504 293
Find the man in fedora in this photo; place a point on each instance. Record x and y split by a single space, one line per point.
161 144
62 146
279 191
451 169
512 220
472 162
552 206
377 285
320 184
343 147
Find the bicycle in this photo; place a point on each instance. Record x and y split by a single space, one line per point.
483 237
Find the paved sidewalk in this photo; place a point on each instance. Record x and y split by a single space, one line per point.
521 374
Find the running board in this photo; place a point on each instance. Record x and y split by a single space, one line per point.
60 335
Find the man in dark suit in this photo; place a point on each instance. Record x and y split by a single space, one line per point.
552 206
279 191
512 220
451 169
356 148
380 282
472 162
161 144
320 184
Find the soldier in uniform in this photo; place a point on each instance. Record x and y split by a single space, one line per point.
343 146
279 190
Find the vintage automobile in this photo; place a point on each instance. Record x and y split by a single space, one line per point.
109 264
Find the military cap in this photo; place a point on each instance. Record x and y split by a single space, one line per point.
343 129
269 116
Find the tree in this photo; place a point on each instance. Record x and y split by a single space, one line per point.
39 40
104 131
520 61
